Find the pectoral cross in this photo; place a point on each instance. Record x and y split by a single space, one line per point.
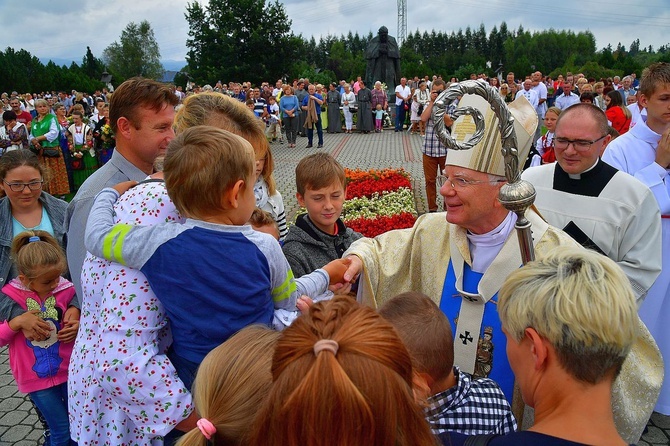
466 337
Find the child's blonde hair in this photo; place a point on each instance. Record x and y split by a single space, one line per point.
201 164
32 251
224 112
379 106
554 110
232 382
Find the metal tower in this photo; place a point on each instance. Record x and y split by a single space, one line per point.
402 21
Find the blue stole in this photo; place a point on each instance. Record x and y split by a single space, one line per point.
492 350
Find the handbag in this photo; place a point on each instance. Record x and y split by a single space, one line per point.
353 109
51 152
77 163
405 105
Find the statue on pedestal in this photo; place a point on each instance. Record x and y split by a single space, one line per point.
383 60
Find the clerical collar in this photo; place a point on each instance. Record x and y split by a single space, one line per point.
578 176
485 247
589 183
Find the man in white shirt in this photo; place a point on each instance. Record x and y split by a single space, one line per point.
402 94
529 93
541 89
568 98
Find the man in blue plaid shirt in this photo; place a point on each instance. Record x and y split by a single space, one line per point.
454 401
434 152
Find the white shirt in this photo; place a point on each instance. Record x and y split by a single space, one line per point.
531 95
404 92
564 101
637 115
541 91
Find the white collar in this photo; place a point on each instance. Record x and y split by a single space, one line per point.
578 176
485 247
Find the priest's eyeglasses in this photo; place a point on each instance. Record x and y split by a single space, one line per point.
19 187
462 183
580 145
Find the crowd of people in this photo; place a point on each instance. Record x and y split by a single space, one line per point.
69 133
170 303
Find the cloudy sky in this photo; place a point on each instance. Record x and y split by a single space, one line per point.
52 29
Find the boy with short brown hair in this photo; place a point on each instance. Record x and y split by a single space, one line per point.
320 235
454 400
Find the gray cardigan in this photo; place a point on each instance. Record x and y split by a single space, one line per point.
307 248
55 210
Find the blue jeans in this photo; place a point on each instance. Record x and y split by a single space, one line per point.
400 116
319 132
52 402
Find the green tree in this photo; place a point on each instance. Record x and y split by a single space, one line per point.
240 40
91 65
136 54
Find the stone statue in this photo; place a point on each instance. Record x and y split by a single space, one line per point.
383 57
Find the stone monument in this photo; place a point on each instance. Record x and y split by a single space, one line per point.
383 60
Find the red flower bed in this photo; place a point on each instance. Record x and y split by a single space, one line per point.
374 227
366 187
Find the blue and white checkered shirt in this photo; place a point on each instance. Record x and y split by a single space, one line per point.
432 146
472 406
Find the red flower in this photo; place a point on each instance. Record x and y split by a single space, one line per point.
374 227
365 188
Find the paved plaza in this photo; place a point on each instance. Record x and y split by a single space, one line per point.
18 423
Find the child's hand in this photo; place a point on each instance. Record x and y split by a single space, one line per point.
121 188
33 327
303 304
70 325
336 270
72 313
69 331
341 288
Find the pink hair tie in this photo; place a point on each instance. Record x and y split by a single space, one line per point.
326 344
206 427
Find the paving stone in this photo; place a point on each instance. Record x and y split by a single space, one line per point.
15 434
9 404
5 377
13 418
8 391
25 443
655 435
34 435
661 421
